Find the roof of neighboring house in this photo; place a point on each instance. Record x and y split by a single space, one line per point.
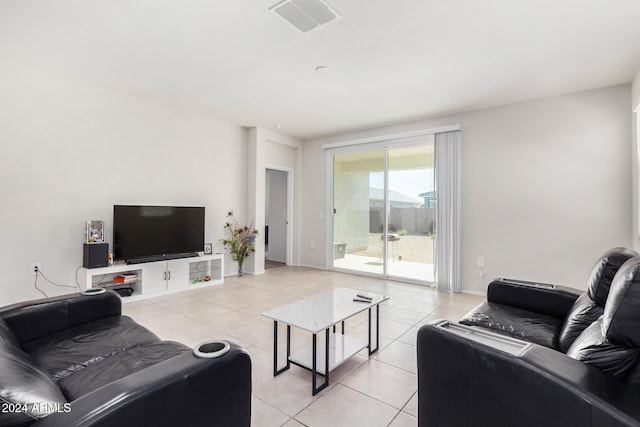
394 196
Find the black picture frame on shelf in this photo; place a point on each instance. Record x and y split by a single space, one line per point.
208 248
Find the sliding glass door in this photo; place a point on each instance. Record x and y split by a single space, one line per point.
384 202
358 211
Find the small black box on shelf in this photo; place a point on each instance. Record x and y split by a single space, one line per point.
126 291
95 255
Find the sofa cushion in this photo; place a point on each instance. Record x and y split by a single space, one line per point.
118 366
26 392
592 348
583 313
74 349
526 325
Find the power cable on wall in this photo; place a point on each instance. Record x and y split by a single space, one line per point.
40 273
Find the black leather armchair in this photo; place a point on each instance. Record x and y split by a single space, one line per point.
546 314
76 361
494 376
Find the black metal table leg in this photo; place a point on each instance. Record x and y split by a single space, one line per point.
373 350
277 371
314 364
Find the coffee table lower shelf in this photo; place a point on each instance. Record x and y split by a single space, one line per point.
341 348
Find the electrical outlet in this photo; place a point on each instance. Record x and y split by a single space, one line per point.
480 262
35 266
313 244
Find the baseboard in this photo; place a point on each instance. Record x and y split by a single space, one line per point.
473 292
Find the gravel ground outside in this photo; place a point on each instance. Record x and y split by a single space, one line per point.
416 248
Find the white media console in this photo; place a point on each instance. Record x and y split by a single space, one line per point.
159 277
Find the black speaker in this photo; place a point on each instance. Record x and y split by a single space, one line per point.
95 255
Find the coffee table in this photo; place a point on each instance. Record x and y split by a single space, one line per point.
320 313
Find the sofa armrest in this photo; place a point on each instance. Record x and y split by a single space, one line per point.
38 318
465 383
540 298
184 390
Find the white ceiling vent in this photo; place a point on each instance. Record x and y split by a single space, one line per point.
305 15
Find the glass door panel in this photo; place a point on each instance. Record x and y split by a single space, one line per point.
358 206
411 213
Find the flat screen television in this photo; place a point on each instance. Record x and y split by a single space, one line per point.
151 233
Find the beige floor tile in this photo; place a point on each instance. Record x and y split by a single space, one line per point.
293 423
168 320
254 331
400 355
345 407
410 336
201 310
261 364
388 328
141 310
288 393
404 420
383 382
228 321
417 305
411 407
403 315
265 415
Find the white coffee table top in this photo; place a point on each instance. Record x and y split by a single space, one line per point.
319 312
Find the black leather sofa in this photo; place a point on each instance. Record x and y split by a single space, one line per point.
76 361
538 355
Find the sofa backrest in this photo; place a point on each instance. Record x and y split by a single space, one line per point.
28 392
590 306
604 271
612 343
36 319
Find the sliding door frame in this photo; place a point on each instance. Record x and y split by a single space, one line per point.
384 145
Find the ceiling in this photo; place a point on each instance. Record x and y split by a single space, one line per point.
390 61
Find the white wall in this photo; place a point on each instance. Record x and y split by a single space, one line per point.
70 151
546 186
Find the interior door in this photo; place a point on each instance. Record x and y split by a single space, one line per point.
276 215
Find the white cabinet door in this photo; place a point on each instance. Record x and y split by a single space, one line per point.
154 277
178 273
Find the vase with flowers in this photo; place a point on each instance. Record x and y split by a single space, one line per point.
240 240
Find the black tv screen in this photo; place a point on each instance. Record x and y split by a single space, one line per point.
157 231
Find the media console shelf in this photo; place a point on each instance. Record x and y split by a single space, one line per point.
159 277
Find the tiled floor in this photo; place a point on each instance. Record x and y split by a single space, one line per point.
376 391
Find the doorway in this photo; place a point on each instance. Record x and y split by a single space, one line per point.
277 208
